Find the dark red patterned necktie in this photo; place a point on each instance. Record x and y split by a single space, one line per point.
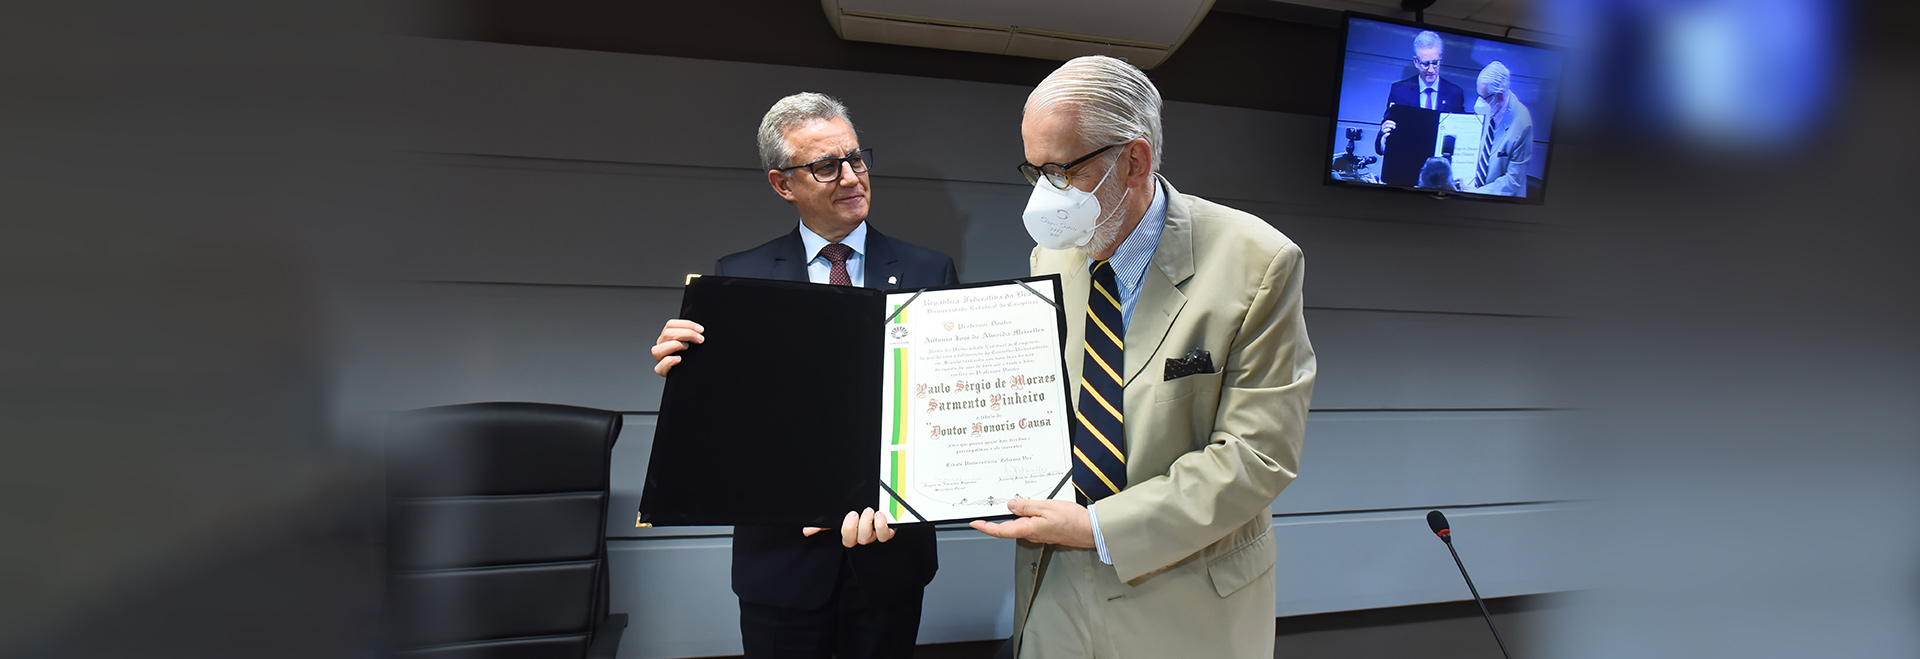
837 255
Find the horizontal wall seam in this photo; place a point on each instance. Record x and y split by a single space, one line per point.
493 568
492 641
502 497
1326 410
1310 307
1354 410
958 530
1324 210
1469 506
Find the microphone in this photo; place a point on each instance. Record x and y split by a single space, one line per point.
1438 523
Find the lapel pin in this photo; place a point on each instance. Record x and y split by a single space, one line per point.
893 280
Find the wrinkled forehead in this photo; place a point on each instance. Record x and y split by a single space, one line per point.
1051 134
1428 53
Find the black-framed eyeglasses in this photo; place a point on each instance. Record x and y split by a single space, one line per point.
1057 173
827 170
1427 63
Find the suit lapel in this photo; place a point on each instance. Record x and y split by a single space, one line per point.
789 259
1074 287
1160 300
883 265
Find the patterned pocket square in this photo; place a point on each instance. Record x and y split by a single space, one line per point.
1197 361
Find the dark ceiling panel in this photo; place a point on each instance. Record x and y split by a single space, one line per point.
1232 58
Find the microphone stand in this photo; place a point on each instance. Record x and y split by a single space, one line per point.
1476 595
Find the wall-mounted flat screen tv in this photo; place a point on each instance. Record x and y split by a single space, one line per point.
1439 111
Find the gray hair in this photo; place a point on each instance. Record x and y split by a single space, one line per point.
1428 39
1114 102
1495 78
791 112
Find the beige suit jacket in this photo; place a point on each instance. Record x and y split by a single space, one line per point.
1206 454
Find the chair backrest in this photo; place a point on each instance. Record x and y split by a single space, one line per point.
496 528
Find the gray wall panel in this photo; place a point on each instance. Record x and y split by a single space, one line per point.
544 102
435 344
534 220
1357 461
1421 267
1389 360
529 220
971 598
677 595
473 97
1373 560
415 345
1353 462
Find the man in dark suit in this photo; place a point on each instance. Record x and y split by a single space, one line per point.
802 593
1425 89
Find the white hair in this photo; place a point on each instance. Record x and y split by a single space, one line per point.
1428 39
1112 101
791 112
1495 78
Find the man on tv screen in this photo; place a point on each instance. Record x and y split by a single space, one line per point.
1506 146
1425 89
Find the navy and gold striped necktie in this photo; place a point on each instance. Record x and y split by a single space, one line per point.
1100 445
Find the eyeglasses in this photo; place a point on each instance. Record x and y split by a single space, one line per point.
827 170
1427 63
1057 173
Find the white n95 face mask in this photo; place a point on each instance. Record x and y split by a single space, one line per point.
1060 219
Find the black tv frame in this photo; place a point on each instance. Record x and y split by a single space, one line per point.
1333 115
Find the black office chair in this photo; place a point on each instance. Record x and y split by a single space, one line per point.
496 532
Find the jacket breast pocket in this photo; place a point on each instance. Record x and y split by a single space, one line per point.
1183 387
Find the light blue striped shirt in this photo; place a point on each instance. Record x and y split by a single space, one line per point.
1130 263
820 270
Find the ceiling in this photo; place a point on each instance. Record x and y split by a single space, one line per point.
1485 16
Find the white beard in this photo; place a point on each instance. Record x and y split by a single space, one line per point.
1107 234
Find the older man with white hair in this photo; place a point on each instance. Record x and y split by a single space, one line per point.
1506 144
1191 370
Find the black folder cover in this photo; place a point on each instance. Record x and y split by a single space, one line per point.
770 419
775 418
1414 132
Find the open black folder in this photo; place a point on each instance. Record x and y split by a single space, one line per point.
781 415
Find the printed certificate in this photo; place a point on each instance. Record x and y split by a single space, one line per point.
976 410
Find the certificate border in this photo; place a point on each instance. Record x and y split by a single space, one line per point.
1066 388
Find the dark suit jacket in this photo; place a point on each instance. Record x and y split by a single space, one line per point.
1407 92
776 565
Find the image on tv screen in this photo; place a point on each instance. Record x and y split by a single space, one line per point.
1427 109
